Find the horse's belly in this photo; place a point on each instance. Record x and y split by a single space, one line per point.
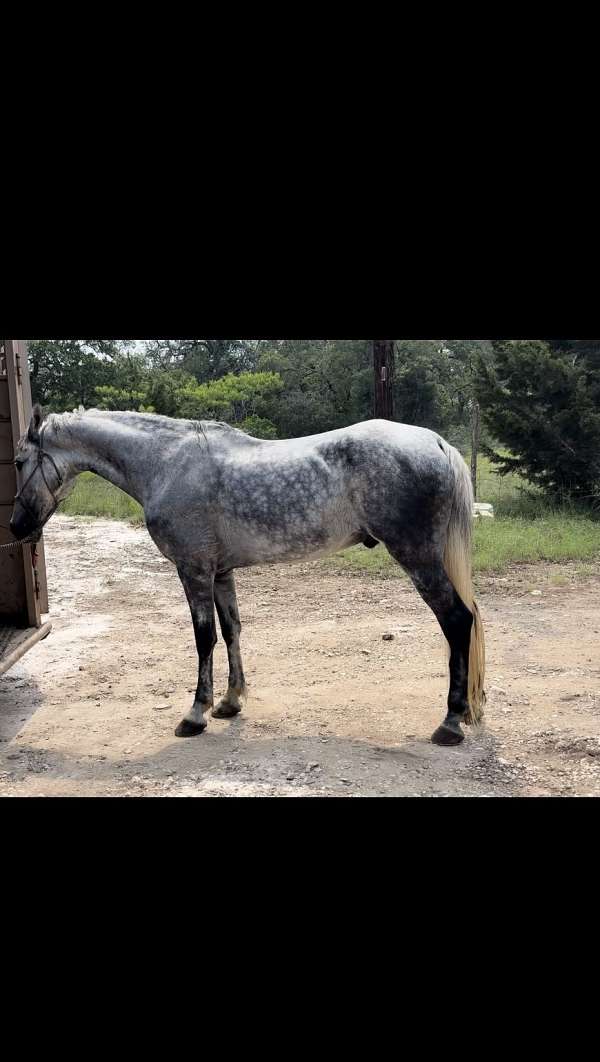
270 520
249 547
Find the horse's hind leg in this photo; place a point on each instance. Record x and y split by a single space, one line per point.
199 592
229 619
456 620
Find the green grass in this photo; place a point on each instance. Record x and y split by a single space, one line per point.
498 543
552 537
93 496
525 530
510 495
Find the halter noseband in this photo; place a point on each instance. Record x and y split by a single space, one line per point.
40 468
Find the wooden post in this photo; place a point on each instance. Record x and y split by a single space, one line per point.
30 589
383 364
474 444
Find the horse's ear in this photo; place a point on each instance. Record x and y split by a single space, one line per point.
37 416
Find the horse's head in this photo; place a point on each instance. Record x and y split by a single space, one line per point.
40 479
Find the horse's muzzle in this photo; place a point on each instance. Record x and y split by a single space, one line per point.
22 526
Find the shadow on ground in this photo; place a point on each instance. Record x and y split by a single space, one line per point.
243 758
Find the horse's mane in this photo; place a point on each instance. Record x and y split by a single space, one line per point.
142 421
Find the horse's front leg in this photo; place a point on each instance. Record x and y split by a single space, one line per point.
229 619
200 594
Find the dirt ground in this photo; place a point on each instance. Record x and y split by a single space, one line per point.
334 709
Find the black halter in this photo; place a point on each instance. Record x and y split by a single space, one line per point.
40 468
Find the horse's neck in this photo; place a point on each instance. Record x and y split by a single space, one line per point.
114 450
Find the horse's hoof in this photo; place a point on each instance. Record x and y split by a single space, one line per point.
444 735
188 729
225 710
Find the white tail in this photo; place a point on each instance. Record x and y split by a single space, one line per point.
458 565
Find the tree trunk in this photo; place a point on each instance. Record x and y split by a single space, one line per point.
383 363
474 445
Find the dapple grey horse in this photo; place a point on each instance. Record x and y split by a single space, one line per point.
216 499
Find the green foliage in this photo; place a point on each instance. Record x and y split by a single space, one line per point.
258 427
230 398
204 359
421 384
165 390
542 401
119 398
434 385
65 372
326 384
69 373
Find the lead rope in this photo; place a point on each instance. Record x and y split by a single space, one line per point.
18 545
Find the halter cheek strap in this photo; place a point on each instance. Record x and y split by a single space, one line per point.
40 468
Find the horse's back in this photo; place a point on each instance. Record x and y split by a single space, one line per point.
386 448
389 432
365 458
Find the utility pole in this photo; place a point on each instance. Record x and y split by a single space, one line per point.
383 363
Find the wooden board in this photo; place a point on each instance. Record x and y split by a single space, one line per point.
23 588
15 641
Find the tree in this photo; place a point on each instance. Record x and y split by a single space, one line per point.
66 372
465 355
205 359
323 384
541 400
166 389
235 399
326 384
430 387
239 400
